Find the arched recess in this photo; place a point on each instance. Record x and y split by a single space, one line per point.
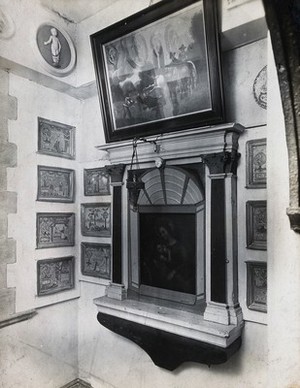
283 19
172 199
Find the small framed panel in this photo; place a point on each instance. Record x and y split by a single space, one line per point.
55 184
256 224
55 230
56 139
55 275
257 286
96 219
96 182
158 71
96 260
256 167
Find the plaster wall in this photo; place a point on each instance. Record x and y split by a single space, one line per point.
40 352
108 360
21 49
283 253
35 101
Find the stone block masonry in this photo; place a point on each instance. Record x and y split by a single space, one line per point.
8 200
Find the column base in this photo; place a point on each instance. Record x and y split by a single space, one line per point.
217 312
116 291
224 314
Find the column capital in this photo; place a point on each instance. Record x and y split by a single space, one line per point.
116 172
221 162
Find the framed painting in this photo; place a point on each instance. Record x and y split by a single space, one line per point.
55 230
55 275
256 224
256 164
55 184
158 71
96 219
96 260
257 286
96 181
56 139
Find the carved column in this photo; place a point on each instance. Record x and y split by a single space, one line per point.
221 234
116 289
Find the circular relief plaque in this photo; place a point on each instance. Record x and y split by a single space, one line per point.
260 88
57 52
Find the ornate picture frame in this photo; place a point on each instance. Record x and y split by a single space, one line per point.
96 219
257 286
256 164
96 260
55 230
96 181
153 80
56 139
55 275
256 225
55 184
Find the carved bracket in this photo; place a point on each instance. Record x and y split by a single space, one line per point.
222 162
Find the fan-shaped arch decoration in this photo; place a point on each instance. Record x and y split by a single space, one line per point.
170 186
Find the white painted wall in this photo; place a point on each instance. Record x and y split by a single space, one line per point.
21 49
41 352
35 101
283 253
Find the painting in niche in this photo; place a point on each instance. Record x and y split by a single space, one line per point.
96 219
55 275
256 155
168 251
96 260
96 182
55 230
56 139
256 223
257 286
55 184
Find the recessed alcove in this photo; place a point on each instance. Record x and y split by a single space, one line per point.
175 252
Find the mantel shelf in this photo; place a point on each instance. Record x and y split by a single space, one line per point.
185 144
181 322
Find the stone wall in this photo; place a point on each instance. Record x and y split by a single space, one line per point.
8 200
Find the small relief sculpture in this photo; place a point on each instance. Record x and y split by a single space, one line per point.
96 219
257 287
55 46
56 49
55 275
260 88
96 260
